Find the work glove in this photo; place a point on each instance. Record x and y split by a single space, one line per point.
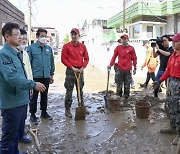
156 84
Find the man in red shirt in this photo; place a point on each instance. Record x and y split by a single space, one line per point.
126 58
75 58
173 94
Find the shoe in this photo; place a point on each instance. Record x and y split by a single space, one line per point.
160 90
176 140
68 113
169 130
25 139
33 119
45 115
133 87
143 85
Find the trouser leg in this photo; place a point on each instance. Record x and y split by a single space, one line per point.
44 95
12 122
127 82
69 85
119 82
147 78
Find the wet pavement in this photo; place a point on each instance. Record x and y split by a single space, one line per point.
103 131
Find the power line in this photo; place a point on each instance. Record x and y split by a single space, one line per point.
35 19
35 7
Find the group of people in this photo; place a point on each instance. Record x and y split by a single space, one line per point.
169 69
27 70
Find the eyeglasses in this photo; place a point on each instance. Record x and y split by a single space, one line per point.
17 34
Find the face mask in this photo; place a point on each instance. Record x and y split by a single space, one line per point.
21 47
42 40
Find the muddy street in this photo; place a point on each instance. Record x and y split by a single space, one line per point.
103 131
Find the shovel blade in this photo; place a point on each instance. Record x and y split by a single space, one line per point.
80 113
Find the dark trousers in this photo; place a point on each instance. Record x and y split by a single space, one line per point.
44 96
150 76
70 81
123 78
157 78
13 121
21 133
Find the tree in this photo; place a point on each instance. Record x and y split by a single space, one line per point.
66 39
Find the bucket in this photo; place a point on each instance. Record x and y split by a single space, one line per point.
142 109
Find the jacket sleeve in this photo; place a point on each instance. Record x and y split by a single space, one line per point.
52 64
166 74
64 57
148 55
134 58
12 77
114 57
86 57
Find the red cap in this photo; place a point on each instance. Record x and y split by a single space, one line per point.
75 30
175 38
124 36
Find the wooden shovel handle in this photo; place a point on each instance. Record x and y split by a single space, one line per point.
77 75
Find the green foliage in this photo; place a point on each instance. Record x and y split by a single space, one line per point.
66 39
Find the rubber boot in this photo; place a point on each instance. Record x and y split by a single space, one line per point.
176 140
68 113
126 102
169 130
7 149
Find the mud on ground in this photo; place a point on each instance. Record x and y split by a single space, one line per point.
103 131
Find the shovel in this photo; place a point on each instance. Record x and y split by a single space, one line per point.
80 110
106 96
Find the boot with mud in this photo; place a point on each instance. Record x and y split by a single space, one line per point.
143 85
169 130
176 140
68 113
126 102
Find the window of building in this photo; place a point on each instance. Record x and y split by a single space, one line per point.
149 31
136 31
52 34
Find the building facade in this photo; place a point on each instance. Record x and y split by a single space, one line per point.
9 13
52 36
147 19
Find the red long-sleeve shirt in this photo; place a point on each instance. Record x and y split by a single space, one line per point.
126 57
74 56
173 67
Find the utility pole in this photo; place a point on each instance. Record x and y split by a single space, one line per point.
124 14
29 21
